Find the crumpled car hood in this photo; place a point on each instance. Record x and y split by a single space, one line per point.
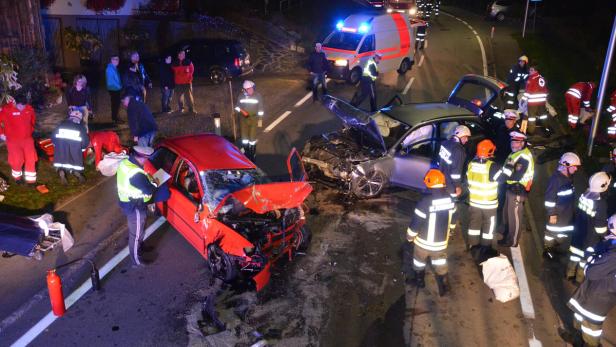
262 198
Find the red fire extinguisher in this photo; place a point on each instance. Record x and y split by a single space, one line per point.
54 285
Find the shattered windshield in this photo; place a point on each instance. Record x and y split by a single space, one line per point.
390 129
220 183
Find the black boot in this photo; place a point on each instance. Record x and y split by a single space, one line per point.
253 152
79 176
62 175
443 284
420 279
572 336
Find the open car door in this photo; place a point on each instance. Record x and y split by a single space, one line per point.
297 173
476 93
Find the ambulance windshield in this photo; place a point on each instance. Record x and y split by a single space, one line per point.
343 40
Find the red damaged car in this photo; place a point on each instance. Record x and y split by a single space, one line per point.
225 206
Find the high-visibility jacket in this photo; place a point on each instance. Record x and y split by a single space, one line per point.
612 108
536 92
590 222
371 70
250 105
429 227
519 169
560 202
517 76
126 191
452 157
582 91
482 178
17 125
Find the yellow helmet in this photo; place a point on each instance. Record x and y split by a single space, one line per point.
524 59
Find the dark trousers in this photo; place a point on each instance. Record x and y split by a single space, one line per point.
165 98
367 88
136 232
481 226
184 94
513 218
114 95
318 78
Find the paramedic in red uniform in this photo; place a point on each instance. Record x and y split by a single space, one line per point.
16 126
535 96
577 94
107 141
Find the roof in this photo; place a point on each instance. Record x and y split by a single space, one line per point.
413 114
208 152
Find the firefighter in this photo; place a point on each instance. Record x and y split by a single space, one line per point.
596 296
250 107
518 173
578 94
70 140
429 231
482 177
590 224
511 123
535 98
516 81
16 126
136 189
420 37
611 130
452 157
104 141
367 83
560 205
610 169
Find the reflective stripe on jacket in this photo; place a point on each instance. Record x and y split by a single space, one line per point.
512 170
429 227
482 184
371 70
127 191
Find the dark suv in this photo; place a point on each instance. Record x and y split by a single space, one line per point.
215 59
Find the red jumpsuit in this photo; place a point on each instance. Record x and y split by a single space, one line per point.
611 131
104 140
536 95
579 93
18 126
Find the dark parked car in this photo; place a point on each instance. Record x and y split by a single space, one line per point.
215 59
398 144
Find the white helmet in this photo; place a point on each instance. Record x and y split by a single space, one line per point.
511 114
570 159
599 182
248 84
611 224
461 131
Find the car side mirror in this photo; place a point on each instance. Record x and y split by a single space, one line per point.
198 212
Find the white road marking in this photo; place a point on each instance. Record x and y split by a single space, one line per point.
303 100
44 323
408 85
426 44
277 121
483 51
421 60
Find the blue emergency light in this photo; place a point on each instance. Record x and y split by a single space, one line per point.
339 25
363 28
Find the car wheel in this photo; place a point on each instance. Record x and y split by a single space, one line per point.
369 185
500 17
217 75
354 76
220 263
306 237
405 66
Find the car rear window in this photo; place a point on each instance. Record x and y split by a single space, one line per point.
163 158
342 40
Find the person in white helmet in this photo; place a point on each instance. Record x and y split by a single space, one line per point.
590 224
502 141
596 297
516 80
610 169
250 107
452 159
560 205
518 173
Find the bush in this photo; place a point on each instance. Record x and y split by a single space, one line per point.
32 69
8 78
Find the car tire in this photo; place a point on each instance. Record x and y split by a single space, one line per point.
354 76
220 263
217 75
405 65
500 17
369 185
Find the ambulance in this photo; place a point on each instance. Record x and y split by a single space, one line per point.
359 36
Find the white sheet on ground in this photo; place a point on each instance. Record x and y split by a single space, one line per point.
499 275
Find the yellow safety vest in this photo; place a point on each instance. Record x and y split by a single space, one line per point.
127 191
527 178
483 191
367 72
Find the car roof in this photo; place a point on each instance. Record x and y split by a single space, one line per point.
413 114
208 152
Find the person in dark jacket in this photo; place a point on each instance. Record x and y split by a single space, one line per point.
516 80
596 297
142 126
132 82
70 139
610 169
317 65
140 70
367 83
78 97
452 161
167 83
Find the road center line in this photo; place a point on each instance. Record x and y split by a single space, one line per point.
421 60
408 85
277 121
303 100
44 323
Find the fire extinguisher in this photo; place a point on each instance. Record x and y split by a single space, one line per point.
54 285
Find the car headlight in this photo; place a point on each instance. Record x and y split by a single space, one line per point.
341 62
389 10
413 11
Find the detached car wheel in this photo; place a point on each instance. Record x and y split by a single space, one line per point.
217 75
405 66
369 185
220 263
354 76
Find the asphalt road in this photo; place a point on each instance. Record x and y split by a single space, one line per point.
347 290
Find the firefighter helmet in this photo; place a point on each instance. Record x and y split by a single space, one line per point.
570 159
434 179
248 84
461 131
611 224
511 114
485 149
599 182
523 58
